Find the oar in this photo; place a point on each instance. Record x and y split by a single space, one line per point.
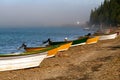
22 46
47 41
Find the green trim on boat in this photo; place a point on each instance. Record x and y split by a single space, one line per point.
80 41
56 43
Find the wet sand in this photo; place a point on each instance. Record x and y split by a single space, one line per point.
100 61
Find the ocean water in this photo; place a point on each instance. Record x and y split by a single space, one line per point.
12 38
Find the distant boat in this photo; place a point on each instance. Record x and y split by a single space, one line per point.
21 61
109 36
86 28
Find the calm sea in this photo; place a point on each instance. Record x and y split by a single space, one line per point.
12 38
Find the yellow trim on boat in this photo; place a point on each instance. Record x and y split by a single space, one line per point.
92 40
64 46
52 52
34 49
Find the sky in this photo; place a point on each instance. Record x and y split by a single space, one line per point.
45 12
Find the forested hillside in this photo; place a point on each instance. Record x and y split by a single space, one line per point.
108 13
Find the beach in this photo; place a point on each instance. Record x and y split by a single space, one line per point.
99 61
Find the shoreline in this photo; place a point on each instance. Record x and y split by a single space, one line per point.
99 61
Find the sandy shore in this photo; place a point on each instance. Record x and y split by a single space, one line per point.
100 61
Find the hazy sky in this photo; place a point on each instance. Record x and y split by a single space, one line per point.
45 12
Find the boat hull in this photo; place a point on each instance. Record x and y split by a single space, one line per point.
105 37
21 62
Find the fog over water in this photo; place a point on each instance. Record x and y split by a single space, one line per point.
45 12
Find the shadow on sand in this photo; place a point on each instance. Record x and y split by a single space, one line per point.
114 47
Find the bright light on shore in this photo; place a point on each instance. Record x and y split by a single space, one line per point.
78 22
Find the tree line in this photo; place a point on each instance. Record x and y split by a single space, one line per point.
108 13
